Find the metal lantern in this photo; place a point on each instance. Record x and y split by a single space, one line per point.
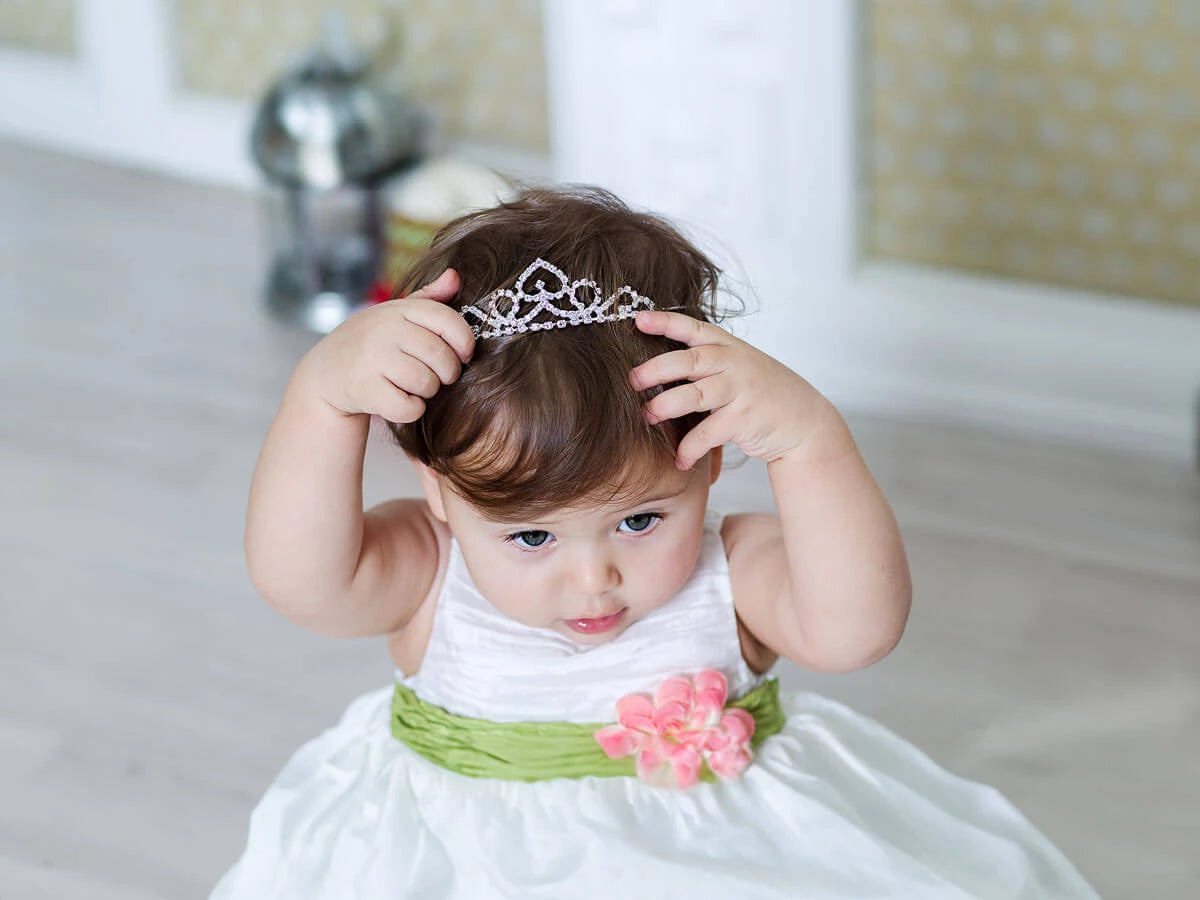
325 135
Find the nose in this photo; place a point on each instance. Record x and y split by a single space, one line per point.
595 573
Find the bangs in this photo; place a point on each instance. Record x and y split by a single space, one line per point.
523 481
551 421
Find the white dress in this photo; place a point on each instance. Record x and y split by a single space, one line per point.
834 806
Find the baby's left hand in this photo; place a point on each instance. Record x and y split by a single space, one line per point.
756 401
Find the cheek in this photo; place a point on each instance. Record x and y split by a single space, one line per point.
673 566
511 588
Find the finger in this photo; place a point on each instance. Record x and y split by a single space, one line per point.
444 323
412 376
715 431
454 328
678 365
679 327
394 403
432 350
694 396
442 288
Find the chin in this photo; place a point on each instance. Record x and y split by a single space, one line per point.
591 640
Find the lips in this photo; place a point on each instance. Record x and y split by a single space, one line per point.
598 625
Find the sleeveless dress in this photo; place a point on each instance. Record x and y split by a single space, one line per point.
832 806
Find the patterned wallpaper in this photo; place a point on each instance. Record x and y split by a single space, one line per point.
1056 140
480 63
47 26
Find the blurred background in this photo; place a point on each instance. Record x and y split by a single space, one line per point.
973 224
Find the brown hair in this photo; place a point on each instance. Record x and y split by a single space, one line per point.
541 420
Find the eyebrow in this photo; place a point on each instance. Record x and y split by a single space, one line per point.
659 499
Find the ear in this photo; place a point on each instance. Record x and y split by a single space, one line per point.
432 486
714 462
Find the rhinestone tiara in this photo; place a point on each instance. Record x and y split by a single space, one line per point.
574 303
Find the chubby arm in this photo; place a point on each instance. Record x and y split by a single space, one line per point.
313 554
826 583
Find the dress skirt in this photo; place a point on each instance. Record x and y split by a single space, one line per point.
834 806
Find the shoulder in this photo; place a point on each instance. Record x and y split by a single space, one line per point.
408 640
408 528
406 546
757 567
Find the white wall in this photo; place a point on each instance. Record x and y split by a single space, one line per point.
742 117
738 119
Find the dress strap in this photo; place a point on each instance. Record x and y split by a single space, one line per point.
539 751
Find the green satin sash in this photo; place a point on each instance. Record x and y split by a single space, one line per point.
538 751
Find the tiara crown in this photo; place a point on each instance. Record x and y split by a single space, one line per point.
573 303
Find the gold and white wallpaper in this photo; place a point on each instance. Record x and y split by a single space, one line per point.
479 63
1055 140
47 26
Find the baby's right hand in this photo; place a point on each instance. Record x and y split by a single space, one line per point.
389 359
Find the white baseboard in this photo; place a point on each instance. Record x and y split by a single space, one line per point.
900 340
1035 416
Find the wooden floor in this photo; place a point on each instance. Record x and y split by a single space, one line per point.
148 697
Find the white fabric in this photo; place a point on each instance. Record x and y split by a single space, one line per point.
836 806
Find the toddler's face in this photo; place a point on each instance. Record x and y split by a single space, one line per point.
587 572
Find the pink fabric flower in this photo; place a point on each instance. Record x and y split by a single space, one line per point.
684 726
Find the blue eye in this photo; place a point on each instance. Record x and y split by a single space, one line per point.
641 522
529 540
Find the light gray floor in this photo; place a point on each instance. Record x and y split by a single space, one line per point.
148 697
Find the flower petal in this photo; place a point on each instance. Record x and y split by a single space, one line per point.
670 716
674 690
729 762
738 724
685 765
694 737
636 711
652 764
711 691
715 739
711 679
708 706
617 741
